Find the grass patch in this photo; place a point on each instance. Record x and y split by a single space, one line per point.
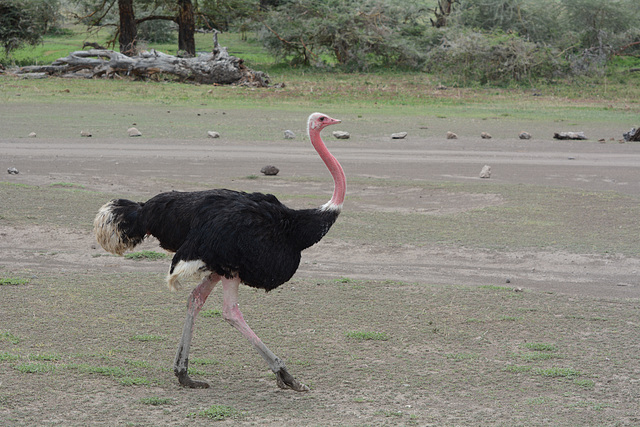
8 357
203 361
130 381
539 346
146 255
13 281
45 357
218 413
367 336
211 313
157 401
556 372
35 368
8 336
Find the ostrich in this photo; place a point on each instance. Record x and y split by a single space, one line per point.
230 237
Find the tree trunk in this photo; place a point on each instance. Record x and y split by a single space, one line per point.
186 28
128 29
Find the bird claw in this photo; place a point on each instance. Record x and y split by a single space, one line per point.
285 380
186 381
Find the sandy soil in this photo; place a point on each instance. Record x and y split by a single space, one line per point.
455 327
143 168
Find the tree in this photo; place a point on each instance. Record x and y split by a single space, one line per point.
127 29
100 13
24 22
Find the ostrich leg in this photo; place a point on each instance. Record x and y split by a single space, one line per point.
231 313
196 301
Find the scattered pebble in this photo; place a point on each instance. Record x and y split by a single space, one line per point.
270 170
13 171
213 134
524 135
340 134
288 134
451 135
85 133
485 172
134 132
399 135
32 135
485 135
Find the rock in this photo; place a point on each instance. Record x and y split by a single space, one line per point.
485 172
340 134
485 135
399 135
85 133
524 135
569 135
32 135
270 170
451 135
134 132
12 171
632 135
213 134
288 134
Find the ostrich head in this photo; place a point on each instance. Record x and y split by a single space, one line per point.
318 121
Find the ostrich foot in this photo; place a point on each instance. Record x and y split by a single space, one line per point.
285 380
185 380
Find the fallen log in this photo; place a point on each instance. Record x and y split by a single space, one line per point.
217 67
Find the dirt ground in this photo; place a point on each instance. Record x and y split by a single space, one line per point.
424 176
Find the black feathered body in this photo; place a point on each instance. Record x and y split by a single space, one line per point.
251 235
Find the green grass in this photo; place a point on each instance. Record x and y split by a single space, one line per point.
157 401
218 413
146 255
540 346
8 336
367 336
35 368
211 313
15 281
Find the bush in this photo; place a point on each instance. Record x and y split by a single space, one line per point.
24 22
495 58
354 34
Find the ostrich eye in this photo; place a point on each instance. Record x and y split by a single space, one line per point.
322 119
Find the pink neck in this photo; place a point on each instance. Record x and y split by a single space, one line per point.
339 180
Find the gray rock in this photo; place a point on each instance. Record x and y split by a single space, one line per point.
134 132
524 135
485 135
270 170
485 172
632 135
32 135
85 133
399 135
569 135
340 134
451 135
288 134
12 171
213 134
